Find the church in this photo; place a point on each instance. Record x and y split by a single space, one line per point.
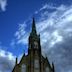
34 61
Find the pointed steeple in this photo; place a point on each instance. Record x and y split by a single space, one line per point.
34 27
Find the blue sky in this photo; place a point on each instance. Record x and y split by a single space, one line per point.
53 22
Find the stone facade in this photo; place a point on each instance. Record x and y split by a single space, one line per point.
34 61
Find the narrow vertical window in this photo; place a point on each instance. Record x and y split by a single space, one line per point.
23 68
36 65
35 45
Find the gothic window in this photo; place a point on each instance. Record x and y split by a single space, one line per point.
47 69
35 45
36 65
23 68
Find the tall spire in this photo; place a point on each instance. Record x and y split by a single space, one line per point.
33 27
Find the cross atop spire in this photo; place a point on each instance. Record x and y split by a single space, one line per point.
34 27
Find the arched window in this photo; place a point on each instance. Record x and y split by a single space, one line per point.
35 45
36 65
23 68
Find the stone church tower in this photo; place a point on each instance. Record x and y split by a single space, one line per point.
34 61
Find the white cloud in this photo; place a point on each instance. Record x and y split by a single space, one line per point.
21 35
56 34
7 61
60 31
55 38
56 21
3 4
7 54
52 7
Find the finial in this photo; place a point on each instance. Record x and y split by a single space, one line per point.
45 55
53 67
16 60
24 52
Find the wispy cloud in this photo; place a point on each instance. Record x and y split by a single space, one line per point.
55 28
51 7
56 31
56 34
3 4
22 35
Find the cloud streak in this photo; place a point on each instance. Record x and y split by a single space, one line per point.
3 4
22 35
56 35
55 28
